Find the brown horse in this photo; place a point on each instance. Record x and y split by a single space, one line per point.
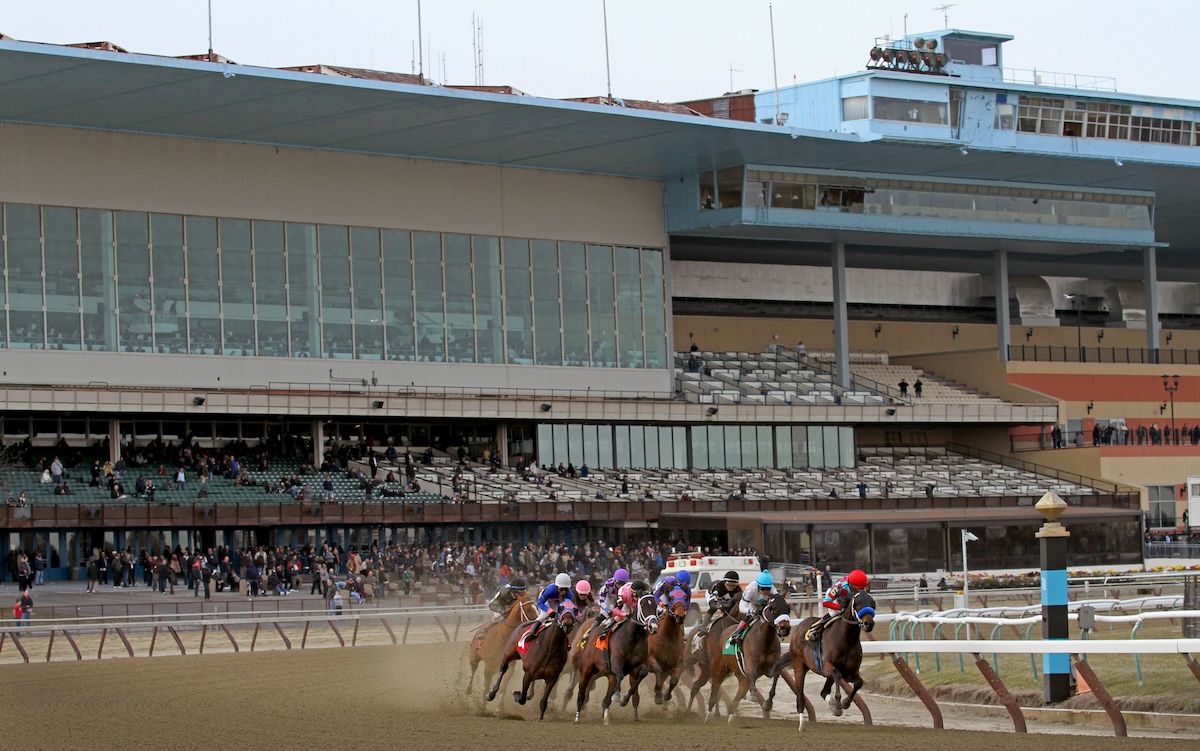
841 655
699 658
625 655
487 644
760 652
667 647
542 657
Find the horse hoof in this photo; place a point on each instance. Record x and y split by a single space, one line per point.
846 703
729 720
658 699
576 717
518 698
767 707
491 695
837 710
606 717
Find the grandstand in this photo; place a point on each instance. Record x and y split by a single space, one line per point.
315 267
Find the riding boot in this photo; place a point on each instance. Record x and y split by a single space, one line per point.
704 627
737 633
814 633
604 627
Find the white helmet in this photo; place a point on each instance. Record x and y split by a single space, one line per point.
563 581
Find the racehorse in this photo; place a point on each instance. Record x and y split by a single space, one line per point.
760 652
624 655
841 655
542 656
487 644
700 657
667 647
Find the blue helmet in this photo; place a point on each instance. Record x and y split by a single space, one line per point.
765 580
683 577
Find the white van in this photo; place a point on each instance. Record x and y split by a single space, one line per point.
704 569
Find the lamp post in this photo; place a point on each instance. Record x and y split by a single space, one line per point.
966 537
1078 322
1171 384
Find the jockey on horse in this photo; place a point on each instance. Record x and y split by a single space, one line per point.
837 599
583 598
723 597
626 602
681 580
552 597
505 597
757 593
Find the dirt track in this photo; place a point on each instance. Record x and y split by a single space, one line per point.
379 698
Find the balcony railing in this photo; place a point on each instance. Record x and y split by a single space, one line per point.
1114 355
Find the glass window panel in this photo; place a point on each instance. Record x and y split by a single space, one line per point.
716 447
460 303
655 311
681 446
783 441
833 458
848 450
398 295
170 297
3 293
576 347
637 446
368 293
666 452
562 446
749 446
547 306
133 280
97 265
518 306
203 285
601 306
304 304
574 444
590 446
700 447
629 308
816 451
651 435
766 451
489 322
430 311
62 278
605 436
545 441
337 331
24 265
270 288
624 453
237 290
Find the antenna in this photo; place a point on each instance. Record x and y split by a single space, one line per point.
210 47
733 70
477 46
607 65
442 56
774 64
421 51
945 11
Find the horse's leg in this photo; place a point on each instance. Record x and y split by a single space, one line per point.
714 691
658 683
550 682
499 677
522 696
675 674
571 682
744 685
613 685
619 676
856 683
801 670
585 677
635 680
702 678
835 701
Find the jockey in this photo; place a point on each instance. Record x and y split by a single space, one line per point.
757 593
837 599
583 596
607 598
723 597
682 580
626 604
552 596
506 596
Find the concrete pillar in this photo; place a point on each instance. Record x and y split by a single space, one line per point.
1056 668
841 318
1150 277
114 439
318 441
502 442
1003 327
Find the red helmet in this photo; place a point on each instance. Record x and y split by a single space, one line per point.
857 579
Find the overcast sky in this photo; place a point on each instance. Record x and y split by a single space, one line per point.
666 50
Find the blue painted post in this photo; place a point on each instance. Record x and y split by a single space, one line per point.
1056 669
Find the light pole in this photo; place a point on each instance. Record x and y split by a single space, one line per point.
966 537
1078 322
1171 384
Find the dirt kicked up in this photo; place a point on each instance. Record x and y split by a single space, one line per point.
394 697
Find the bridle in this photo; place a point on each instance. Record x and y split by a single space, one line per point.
676 597
645 614
855 615
780 620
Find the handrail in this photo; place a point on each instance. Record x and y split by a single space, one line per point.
1071 439
1039 469
1103 355
818 364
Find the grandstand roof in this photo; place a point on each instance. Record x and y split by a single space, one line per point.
101 87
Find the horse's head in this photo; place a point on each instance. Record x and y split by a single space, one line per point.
778 612
862 608
566 616
678 608
646 613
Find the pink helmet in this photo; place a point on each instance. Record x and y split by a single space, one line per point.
583 587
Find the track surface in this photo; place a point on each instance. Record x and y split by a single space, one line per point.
387 698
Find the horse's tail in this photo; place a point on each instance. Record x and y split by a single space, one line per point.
784 660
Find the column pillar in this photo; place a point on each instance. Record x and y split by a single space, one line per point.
1150 277
1003 315
502 442
318 439
1052 537
114 439
841 319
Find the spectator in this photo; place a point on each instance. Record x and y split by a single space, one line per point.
917 387
903 387
862 489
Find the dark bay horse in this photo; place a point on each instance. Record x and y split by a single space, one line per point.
542 658
700 658
841 655
487 644
625 656
760 652
668 647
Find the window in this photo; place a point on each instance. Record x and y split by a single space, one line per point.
910 110
854 108
1162 506
971 53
